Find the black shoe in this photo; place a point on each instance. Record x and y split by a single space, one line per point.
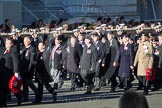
145 92
112 90
88 92
97 89
139 88
90 87
19 101
126 88
116 84
120 86
25 99
36 102
130 86
78 85
72 89
104 84
155 89
108 82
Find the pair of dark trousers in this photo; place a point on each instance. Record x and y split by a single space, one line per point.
4 96
73 80
88 79
40 89
126 82
26 84
113 81
144 82
76 80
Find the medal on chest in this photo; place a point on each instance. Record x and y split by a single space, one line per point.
89 51
145 48
68 49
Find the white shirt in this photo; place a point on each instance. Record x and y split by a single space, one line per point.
89 46
111 42
28 46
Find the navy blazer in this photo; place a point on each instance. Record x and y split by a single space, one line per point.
126 60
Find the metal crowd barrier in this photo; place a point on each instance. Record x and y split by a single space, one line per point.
68 33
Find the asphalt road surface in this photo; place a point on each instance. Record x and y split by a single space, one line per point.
77 99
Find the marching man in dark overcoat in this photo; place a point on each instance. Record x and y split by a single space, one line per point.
88 63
